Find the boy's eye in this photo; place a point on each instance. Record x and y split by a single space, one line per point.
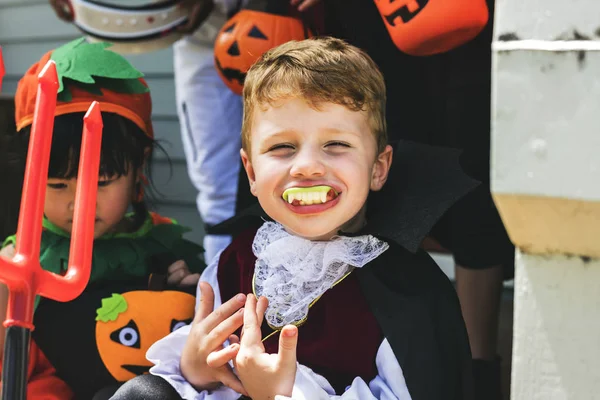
104 183
337 144
281 146
57 185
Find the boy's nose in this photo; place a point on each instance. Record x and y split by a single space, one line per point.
307 164
71 202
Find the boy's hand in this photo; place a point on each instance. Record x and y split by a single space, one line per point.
179 274
304 5
8 252
265 375
204 361
199 11
63 9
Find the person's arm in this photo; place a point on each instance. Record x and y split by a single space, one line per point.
6 252
199 10
389 383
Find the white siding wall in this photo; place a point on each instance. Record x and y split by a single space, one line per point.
29 28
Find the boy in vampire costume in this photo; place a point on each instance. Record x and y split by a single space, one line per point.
337 298
445 100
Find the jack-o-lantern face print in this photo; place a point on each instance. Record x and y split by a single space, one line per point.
246 37
426 27
128 324
405 11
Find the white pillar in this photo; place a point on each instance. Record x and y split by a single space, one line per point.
546 183
556 345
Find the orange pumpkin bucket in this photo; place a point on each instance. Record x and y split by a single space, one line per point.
426 27
248 35
127 324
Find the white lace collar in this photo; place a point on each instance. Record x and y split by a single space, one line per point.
292 272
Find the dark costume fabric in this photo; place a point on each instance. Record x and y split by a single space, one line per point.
443 100
100 339
144 387
42 382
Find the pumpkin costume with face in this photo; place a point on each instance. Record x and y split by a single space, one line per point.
109 327
126 323
100 338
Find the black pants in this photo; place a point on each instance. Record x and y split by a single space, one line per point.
143 387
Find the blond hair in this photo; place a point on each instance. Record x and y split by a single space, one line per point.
318 70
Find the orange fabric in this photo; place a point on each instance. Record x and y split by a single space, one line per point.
135 107
42 382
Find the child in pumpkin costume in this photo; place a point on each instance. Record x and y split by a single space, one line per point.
210 115
99 339
350 309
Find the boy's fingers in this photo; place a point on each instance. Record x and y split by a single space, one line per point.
229 379
225 329
207 301
306 4
251 333
218 358
224 311
234 339
190 280
261 308
288 339
175 278
62 9
176 266
199 11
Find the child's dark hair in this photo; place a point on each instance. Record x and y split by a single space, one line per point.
124 146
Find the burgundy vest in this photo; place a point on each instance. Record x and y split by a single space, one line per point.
340 337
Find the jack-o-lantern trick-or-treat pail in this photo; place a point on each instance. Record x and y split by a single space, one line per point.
249 34
426 27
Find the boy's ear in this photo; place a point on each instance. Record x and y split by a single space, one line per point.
249 171
381 168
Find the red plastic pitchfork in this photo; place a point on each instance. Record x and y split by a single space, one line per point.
1 68
23 274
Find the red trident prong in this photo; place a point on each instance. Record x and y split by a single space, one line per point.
2 70
23 274
69 286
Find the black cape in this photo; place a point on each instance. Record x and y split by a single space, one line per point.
418 311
